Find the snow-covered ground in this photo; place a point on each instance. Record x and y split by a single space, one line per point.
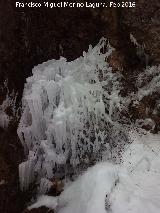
131 187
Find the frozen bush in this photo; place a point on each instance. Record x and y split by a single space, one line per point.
71 114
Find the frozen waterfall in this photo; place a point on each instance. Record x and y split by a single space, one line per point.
70 116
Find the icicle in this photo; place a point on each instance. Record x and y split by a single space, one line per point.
65 105
26 171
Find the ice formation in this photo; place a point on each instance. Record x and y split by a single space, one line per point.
4 119
74 116
71 115
8 103
143 56
148 82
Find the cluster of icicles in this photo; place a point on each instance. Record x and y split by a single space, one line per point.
69 119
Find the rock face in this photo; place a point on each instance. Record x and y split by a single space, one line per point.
144 23
33 36
11 154
29 36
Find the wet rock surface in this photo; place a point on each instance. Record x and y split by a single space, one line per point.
31 36
144 23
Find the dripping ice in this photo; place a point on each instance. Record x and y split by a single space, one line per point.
72 115
69 115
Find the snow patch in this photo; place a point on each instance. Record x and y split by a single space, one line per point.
44 200
88 193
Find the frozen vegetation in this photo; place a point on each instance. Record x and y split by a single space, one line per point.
71 116
74 117
10 104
